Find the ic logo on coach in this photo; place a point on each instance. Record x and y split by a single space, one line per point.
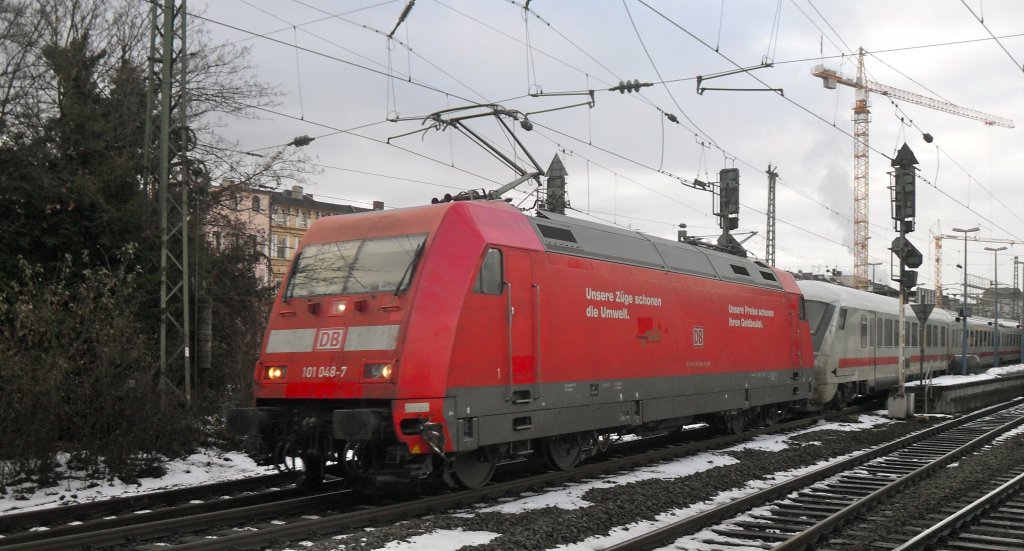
329 339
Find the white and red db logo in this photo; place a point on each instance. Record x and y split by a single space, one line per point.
329 339
698 337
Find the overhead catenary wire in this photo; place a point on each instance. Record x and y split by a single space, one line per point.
525 7
683 180
876 150
657 72
981 20
743 161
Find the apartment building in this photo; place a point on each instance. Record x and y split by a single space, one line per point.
277 221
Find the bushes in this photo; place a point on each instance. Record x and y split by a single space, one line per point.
78 375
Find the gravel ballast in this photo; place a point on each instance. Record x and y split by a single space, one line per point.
619 505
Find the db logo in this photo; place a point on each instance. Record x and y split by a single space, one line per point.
329 339
698 337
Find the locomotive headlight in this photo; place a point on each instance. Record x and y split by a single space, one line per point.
338 307
275 372
377 371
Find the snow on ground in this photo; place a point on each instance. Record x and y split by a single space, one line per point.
992 373
695 541
203 467
208 466
569 496
441 539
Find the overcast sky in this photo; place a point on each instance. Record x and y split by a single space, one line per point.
626 161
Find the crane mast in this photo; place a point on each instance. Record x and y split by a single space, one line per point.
861 146
861 177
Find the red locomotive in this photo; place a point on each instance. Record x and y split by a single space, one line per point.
449 338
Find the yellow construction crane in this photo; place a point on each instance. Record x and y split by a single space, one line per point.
938 257
861 117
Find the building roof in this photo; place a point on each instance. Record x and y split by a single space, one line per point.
296 198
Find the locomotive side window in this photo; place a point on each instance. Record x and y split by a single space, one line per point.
842 319
489 279
863 331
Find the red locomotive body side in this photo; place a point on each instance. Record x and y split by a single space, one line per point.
494 342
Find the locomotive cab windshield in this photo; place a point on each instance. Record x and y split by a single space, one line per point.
384 264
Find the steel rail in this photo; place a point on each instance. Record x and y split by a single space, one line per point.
811 535
667 534
67 513
432 504
197 517
965 515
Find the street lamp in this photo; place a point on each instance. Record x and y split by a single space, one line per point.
873 264
995 295
963 313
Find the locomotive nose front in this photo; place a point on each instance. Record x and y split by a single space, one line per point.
331 353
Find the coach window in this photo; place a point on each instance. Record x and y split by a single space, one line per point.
863 331
888 333
489 279
915 335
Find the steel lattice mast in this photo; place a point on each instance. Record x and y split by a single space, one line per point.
769 245
167 80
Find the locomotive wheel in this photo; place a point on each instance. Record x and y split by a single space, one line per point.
474 469
772 415
563 452
734 423
351 459
312 476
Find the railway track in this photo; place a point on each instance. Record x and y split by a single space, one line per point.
85 523
44 518
288 515
994 522
798 513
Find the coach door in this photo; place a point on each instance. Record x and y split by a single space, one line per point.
523 296
874 342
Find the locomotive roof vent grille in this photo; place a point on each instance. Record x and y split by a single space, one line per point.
740 270
768 275
560 234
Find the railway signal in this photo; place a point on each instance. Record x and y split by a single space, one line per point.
903 214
